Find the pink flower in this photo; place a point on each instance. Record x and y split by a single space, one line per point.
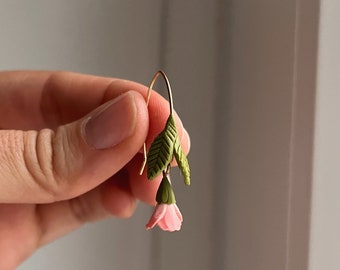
167 217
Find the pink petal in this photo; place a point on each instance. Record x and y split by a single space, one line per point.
167 217
172 220
179 214
158 214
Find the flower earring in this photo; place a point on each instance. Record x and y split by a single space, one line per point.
165 147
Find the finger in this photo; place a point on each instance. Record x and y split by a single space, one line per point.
46 99
68 96
46 166
20 95
60 218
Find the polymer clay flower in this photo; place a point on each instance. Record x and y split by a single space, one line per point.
167 217
166 214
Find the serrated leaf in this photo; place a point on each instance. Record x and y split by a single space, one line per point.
182 162
161 150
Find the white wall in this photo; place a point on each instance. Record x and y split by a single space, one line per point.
325 218
258 143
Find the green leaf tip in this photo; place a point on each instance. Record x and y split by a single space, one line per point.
165 193
162 148
182 162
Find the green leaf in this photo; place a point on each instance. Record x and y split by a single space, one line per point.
165 193
161 151
182 162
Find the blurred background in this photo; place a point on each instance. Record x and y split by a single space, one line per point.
244 79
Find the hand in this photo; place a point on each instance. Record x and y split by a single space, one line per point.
70 153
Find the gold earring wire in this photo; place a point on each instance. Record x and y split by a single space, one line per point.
160 72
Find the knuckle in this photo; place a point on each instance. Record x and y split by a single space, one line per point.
38 158
45 160
81 210
88 207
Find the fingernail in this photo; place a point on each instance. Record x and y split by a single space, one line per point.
112 123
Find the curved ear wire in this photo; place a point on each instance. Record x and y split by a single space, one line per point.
159 72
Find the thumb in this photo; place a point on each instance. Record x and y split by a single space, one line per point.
46 166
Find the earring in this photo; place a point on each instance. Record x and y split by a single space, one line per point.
165 147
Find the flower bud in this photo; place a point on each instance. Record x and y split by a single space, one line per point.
165 193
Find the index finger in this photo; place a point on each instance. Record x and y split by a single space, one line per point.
47 99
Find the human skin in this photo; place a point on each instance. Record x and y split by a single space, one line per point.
70 153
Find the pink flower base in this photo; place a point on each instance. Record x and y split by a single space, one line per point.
167 217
